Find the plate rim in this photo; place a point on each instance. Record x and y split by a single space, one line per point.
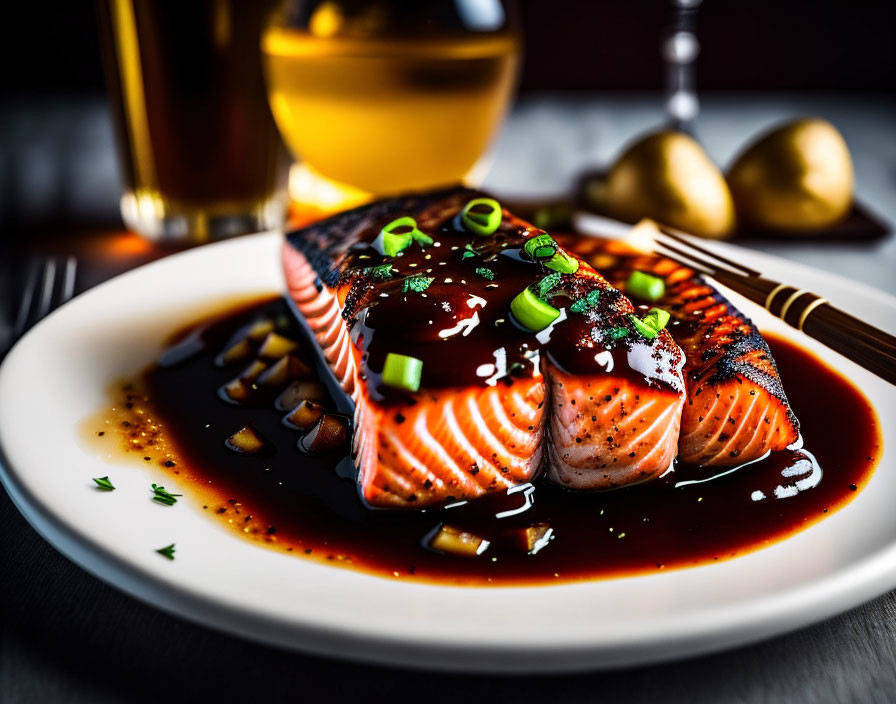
877 569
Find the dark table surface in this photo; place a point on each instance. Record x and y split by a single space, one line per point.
67 637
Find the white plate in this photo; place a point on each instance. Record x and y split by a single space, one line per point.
56 376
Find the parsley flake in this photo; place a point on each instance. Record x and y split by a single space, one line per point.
167 551
469 251
103 483
164 497
383 271
485 273
417 284
617 333
548 284
586 303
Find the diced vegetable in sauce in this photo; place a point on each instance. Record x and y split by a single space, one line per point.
246 441
306 414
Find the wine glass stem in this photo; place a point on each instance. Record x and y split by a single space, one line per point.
680 49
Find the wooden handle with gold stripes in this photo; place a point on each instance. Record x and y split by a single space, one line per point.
866 345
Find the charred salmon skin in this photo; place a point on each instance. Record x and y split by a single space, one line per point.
478 353
736 408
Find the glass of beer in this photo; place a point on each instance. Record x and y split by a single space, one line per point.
384 96
199 149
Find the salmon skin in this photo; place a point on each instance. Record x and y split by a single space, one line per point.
588 401
737 410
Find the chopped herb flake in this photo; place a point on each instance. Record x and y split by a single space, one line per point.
469 251
104 483
417 284
167 551
384 271
586 303
164 497
617 333
485 273
548 284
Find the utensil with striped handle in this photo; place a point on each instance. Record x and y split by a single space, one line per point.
868 346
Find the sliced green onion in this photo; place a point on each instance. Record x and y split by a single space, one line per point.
651 324
398 235
658 317
482 216
402 372
540 248
563 263
645 286
531 312
421 238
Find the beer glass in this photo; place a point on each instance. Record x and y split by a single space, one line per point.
199 149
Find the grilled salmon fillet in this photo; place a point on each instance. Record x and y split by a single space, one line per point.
736 408
587 399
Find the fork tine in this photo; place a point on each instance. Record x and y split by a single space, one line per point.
686 258
718 257
68 280
46 290
31 283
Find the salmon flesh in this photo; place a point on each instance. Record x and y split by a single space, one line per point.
589 400
736 408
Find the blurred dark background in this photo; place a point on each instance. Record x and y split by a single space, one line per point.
48 49
57 165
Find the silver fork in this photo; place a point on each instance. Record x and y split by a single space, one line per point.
49 282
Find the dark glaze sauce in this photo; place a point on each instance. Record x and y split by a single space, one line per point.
460 325
298 503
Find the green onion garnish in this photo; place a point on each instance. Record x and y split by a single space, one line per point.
531 312
167 551
103 483
417 284
586 303
485 273
482 216
402 372
645 286
540 248
563 263
421 238
651 324
398 235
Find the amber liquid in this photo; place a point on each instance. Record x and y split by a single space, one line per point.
199 146
389 114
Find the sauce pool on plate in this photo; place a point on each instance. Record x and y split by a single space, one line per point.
212 423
